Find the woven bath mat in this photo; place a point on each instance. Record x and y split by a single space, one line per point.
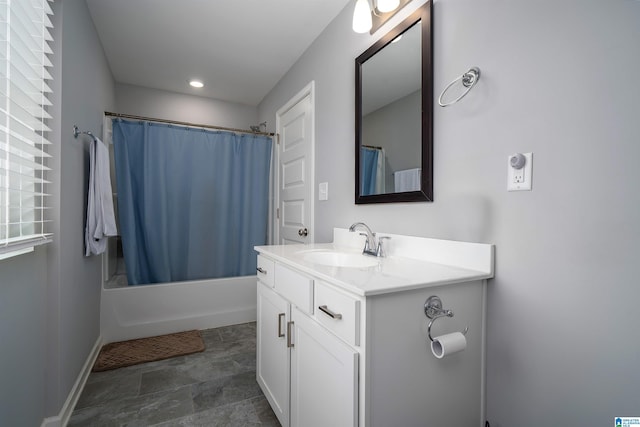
127 353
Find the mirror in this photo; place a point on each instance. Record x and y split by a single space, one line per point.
394 120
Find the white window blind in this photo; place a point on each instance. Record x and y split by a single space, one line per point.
24 76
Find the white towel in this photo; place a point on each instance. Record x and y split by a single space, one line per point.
101 221
407 180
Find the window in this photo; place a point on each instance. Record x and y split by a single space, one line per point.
24 63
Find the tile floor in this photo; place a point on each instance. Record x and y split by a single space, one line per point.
214 388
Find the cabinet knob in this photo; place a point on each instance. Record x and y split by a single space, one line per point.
303 232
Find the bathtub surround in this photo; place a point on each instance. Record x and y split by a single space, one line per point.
142 311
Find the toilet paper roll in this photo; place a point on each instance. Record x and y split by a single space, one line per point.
444 345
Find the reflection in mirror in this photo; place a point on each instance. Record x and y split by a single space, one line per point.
393 115
391 94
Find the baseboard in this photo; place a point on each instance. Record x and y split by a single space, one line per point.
62 419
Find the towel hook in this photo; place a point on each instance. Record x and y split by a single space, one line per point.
469 80
433 310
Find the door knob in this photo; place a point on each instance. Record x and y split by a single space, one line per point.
303 232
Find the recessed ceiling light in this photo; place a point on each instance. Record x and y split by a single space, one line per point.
196 83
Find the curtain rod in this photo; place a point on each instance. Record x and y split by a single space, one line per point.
374 147
175 122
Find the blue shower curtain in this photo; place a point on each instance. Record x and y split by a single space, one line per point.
369 170
192 203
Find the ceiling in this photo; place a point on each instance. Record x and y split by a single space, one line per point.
240 49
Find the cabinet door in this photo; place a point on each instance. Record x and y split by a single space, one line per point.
272 370
324 377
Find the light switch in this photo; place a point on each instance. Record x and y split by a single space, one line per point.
519 168
323 191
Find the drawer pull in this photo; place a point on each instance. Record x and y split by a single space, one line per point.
289 342
280 333
325 310
261 270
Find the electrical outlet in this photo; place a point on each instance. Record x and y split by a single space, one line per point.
519 175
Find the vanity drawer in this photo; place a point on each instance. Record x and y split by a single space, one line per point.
338 312
266 270
295 287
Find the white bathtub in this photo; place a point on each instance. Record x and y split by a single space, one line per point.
149 310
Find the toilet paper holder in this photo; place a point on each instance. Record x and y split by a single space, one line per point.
433 310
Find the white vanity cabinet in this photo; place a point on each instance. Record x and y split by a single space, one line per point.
272 368
302 368
348 346
324 377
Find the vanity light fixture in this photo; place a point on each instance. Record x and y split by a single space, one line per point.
362 17
387 5
196 83
369 15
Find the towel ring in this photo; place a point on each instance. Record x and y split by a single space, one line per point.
433 310
469 80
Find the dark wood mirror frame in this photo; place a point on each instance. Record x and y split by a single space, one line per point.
423 15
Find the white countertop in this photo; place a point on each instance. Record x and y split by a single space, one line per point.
408 265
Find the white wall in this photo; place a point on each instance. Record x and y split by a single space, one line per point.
49 319
87 90
74 281
557 80
159 104
23 339
50 299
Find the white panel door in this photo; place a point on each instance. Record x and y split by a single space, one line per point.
295 170
272 367
324 377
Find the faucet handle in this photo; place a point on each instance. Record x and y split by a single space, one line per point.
366 242
380 250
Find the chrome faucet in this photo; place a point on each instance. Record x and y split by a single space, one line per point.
370 245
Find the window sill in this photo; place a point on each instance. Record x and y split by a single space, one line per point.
22 248
16 252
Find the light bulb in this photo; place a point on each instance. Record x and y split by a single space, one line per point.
387 5
362 17
196 83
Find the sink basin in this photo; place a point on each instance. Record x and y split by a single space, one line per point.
340 259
